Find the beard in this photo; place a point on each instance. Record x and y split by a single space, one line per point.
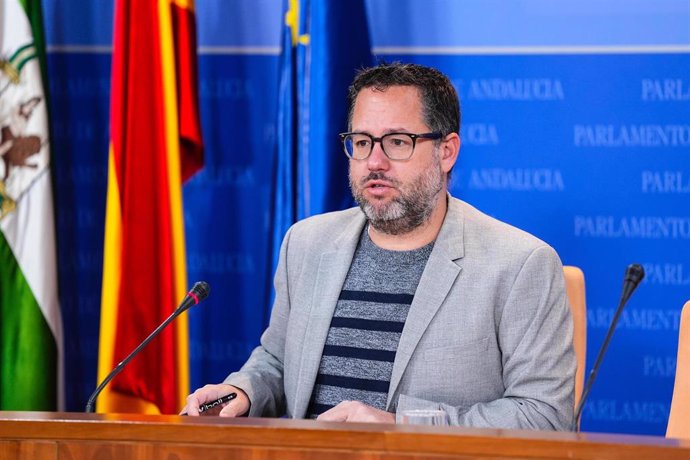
406 212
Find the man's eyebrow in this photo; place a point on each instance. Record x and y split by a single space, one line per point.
388 131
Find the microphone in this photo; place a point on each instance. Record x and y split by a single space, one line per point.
633 276
198 293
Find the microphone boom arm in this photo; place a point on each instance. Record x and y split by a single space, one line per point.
123 363
633 276
198 293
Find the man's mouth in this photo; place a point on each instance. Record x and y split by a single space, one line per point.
378 184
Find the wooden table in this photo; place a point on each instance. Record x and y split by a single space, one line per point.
61 435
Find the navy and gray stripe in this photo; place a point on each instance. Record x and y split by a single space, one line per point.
358 356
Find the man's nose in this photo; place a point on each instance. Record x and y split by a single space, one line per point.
377 159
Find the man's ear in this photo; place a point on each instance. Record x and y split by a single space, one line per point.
450 148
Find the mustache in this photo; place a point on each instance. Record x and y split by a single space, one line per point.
378 176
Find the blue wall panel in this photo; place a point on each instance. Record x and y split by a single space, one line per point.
226 212
79 96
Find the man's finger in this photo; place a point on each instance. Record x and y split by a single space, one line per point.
192 407
237 407
339 413
231 409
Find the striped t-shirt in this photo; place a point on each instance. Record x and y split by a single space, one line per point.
357 359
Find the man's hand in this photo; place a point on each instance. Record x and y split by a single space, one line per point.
355 411
208 393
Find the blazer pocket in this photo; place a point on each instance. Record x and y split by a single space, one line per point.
457 350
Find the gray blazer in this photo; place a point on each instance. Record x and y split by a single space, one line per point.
488 337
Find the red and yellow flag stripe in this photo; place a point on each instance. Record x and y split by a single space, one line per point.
155 145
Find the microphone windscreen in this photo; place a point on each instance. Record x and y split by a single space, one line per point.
634 274
201 290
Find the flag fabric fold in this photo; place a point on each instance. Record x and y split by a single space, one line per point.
30 324
155 145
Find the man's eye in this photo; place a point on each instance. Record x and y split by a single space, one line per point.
399 141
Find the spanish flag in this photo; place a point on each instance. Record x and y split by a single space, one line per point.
155 145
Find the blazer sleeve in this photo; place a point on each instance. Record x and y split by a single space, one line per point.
535 337
261 377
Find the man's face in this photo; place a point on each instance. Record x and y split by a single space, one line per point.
396 196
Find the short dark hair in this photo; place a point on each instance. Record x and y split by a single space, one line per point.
440 102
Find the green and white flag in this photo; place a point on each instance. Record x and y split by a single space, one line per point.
30 325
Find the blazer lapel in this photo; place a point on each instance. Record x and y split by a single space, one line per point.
334 265
440 273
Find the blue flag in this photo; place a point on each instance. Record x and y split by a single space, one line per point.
284 203
325 42
338 46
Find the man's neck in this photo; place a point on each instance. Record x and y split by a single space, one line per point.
417 238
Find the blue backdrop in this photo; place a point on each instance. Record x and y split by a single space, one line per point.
576 127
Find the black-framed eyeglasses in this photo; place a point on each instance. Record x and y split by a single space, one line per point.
396 146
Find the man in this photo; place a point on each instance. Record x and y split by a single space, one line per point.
415 299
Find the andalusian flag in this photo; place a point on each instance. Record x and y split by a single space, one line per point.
155 145
30 326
